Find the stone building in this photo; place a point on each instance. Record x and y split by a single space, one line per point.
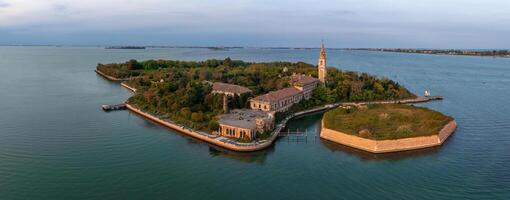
277 101
245 123
302 88
282 100
306 84
229 89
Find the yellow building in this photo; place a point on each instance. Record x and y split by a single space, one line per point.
282 100
245 123
302 88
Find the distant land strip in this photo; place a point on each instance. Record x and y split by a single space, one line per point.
460 52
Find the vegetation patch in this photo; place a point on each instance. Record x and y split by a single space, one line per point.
386 121
181 91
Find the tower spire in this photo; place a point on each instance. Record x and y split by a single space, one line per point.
322 64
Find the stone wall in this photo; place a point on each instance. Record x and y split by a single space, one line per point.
213 139
123 84
386 146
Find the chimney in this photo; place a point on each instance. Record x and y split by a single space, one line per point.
225 104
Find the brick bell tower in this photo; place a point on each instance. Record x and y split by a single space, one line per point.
321 66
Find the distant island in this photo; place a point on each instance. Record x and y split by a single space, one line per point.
383 128
494 53
242 105
125 47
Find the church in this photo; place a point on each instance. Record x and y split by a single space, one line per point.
245 123
302 88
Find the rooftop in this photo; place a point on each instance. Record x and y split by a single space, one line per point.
277 95
229 88
303 79
243 118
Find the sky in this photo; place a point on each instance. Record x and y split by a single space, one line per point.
469 24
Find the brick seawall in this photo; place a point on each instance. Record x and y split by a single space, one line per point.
387 146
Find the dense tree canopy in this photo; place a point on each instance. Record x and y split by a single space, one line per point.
181 90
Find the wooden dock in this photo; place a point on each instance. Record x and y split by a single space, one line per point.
113 107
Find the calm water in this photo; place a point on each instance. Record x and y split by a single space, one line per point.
56 143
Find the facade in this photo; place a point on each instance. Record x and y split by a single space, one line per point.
277 101
245 123
302 88
282 100
322 65
304 83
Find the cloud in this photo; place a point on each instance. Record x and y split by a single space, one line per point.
297 20
4 5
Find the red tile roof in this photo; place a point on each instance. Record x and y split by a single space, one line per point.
231 88
303 80
278 94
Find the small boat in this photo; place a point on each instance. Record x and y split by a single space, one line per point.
427 93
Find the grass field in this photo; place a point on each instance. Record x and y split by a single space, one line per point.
390 121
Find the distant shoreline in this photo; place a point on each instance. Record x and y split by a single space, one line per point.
503 53
450 52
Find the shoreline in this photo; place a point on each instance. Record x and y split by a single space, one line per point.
388 146
111 78
445 53
213 139
232 144
132 89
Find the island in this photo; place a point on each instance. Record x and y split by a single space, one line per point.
461 52
384 128
125 47
243 106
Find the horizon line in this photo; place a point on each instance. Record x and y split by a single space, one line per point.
231 47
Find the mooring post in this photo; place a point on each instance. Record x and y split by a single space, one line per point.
306 135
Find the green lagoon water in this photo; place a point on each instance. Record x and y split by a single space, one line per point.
56 142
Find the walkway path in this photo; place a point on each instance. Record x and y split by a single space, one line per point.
234 145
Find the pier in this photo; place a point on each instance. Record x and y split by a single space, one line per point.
235 145
113 107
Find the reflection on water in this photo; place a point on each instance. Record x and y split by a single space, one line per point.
57 143
257 157
309 124
383 156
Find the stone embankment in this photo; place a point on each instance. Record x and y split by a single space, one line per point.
211 138
123 84
387 146
225 142
233 144
111 78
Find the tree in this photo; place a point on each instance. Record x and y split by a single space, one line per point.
197 117
133 65
227 62
185 112
213 125
379 89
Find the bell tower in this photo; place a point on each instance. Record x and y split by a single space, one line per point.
321 66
